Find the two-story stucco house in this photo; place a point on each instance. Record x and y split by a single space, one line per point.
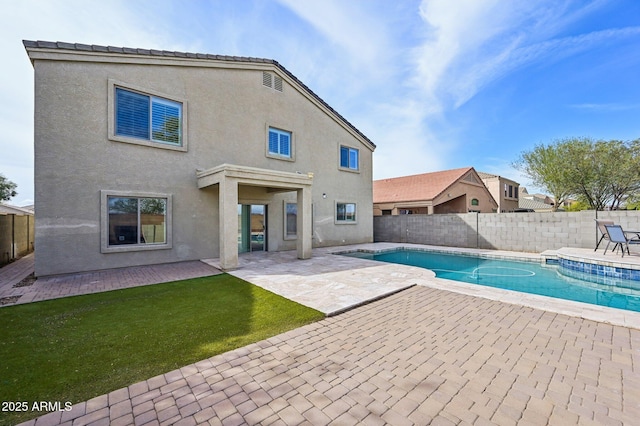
448 191
145 156
503 190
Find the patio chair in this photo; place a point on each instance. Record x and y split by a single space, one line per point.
603 231
616 235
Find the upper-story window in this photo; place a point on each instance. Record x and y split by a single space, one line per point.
279 145
144 118
148 117
349 158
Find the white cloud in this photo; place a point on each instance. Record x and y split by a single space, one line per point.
393 69
472 43
607 107
351 26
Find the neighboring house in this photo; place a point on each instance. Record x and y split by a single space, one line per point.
503 190
9 209
146 156
535 202
449 191
531 204
540 198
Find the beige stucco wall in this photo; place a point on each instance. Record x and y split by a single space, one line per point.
495 185
228 115
465 191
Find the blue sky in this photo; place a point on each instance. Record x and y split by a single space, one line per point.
435 84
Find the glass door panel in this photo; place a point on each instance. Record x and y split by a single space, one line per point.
252 225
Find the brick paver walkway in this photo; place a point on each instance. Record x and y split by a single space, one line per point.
98 281
422 356
13 273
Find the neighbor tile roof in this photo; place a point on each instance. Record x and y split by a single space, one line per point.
484 175
423 187
528 203
30 44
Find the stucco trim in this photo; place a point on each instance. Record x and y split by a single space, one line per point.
254 176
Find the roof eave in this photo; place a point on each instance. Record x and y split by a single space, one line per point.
36 48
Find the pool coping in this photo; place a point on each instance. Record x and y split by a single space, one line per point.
583 310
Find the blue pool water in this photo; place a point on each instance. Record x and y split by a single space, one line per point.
527 277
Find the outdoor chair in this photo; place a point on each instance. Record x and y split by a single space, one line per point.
616 235
603 231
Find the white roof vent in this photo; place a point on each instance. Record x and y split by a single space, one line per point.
272 81
277 83
266 79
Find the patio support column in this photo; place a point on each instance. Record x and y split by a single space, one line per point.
228 218
303 223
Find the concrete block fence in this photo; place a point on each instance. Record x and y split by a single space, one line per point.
527 232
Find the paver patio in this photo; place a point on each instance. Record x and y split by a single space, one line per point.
417 357
424 355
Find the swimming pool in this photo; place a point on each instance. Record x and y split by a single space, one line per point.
527 277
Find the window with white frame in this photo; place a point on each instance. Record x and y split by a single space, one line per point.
279 144
345 213
135 221
349 158
290 221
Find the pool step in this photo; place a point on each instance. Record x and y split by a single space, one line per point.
549 257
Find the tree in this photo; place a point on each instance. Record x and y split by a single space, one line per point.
7 189
168 131
599 173
626 182
546 166
592 169
577 206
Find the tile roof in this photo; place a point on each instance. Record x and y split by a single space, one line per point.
528 203
30 44
426 186
484 175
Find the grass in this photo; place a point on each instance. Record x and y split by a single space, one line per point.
76 348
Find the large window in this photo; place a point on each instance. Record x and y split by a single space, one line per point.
148 117
290 221
279 143
135 221
349 158
345 212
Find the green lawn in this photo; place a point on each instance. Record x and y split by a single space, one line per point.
76 348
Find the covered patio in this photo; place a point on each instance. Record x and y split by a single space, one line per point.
229 178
